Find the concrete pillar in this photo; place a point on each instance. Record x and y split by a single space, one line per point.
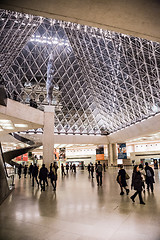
48 135
112 155
114 149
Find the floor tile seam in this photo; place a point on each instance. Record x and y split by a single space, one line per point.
119 227
27 222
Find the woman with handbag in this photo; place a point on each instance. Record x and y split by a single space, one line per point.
121 179
137 184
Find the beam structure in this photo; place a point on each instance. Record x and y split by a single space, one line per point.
138 18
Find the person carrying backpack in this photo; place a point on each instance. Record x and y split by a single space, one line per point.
149 177
99 174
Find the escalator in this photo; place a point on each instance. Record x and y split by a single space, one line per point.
7 180
4 186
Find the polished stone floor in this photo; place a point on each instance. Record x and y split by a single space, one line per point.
79 210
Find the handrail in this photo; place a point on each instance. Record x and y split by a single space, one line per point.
22 139
3 160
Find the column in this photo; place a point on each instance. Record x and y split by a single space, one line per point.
48 135
112 155
114 149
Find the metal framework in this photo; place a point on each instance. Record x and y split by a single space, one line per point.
102 81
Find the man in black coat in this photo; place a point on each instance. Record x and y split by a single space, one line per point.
19 170
30 170
43 174
149 177
137 184
99 173
35 174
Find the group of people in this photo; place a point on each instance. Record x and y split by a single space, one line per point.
71 167
98 169
43 175
140 176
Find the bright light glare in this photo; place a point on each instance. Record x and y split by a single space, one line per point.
8 127
19 125
5 121
49 40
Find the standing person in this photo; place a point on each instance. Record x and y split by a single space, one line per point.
35 174
55 168
51 165
67 168
89 169
121 179
92 170
149 177
43 176
19 170
96 165
53 176
71 167
143 175
62 169
31 102
30 170
25 171
74 168
137 184
104 167
99 173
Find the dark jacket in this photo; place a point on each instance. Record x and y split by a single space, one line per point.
19 169
149 175
30 169
25 170
53 175
35 171
137 181
43 173
99 168
122 177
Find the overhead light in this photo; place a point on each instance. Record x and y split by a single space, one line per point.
8 127
19 125
6 124
5 121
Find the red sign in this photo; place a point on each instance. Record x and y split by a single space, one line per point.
23 157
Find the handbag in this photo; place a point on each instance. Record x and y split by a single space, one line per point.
127 176
118 179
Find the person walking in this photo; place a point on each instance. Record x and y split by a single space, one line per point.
104 167
43 174
137 184
35 174
89 169
143 175
92 170
50 167
19 170
121 179
52 176
74 168
71 167
62 170
25 171
67 168
149 177
30 170
99 173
